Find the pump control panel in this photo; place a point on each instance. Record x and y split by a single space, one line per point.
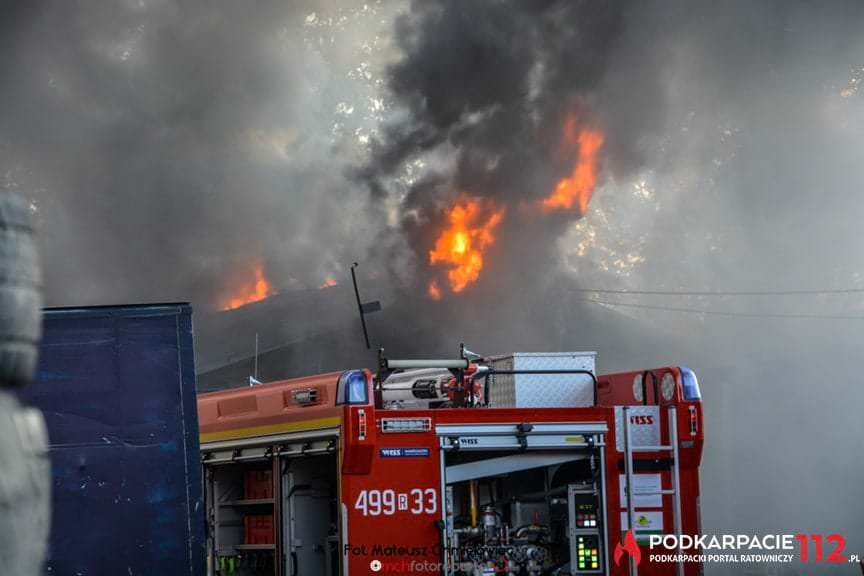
587 525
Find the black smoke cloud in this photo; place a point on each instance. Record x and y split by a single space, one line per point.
480 94
486 88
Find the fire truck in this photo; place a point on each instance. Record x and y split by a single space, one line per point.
521 464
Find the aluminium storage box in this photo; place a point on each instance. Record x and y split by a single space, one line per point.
541 390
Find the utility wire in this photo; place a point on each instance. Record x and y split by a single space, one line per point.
721 312
719 292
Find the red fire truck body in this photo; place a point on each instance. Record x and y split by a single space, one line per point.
322 475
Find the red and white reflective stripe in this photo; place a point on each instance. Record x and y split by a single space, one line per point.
694 422
361 424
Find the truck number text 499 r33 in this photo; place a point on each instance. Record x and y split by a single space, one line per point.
389 502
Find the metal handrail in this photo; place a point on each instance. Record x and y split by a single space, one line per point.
491 371
645 389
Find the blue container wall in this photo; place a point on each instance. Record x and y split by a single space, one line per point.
117 387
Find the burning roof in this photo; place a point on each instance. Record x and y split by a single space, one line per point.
228 336
252 289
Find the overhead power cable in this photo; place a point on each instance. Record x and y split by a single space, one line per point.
718 292
722 312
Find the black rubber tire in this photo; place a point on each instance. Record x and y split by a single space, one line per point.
25 488
20 293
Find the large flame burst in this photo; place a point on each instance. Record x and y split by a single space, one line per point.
576 189
254 289
472 222
461 245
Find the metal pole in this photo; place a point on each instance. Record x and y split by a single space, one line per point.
360 305
603 496
448 552
256 356
676 483
628 475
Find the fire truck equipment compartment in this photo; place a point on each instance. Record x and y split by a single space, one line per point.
541 390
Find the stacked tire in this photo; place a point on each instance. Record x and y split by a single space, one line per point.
25 481
20 292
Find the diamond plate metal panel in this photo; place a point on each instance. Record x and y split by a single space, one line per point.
541 390
644 433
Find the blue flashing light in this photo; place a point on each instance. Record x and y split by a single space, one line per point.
352 388
690 385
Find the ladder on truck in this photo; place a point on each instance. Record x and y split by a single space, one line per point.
674 490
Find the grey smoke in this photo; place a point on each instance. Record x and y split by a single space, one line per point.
168 144
732 161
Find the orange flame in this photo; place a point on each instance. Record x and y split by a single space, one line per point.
254 290
434 291
578 187
328 282
462 244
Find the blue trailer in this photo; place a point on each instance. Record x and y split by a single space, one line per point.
117 388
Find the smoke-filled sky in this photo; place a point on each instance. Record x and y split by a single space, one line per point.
168 146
